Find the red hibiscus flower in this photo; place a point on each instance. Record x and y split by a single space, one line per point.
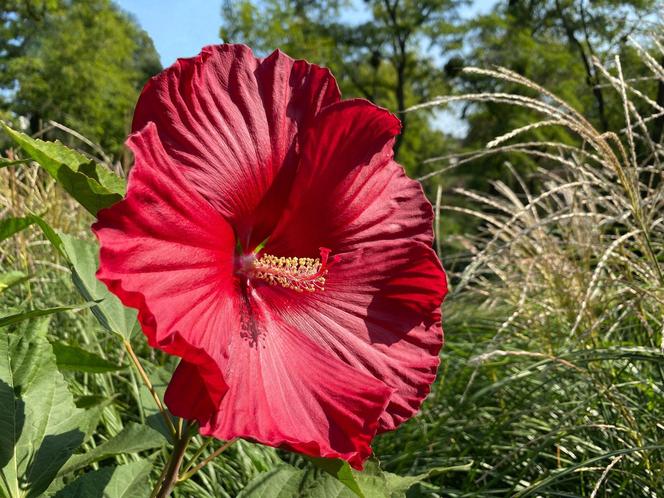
269 240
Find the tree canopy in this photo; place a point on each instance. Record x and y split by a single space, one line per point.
81 63
399 53
554 43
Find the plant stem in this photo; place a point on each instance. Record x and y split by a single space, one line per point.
214 455
170 479
148 384
162 475
198 453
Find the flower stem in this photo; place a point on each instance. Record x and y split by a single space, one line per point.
148 384
214 455
162 475
198 453
170 476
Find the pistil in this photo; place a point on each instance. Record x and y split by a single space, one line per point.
298 274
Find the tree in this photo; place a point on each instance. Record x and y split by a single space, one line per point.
554 43
20 23
393 57
78 62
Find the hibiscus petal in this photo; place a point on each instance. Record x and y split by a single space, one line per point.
286 392
168 253
380 310
193 393
348 190
379 313
229 121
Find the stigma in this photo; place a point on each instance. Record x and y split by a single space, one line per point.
298 274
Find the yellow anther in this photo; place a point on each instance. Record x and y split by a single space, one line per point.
298 274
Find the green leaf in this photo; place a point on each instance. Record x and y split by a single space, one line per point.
6 162
91 400
92 185
84 260
286 481
159 377
77 359
377 483
131 439
12 278
340 470
283 481
110 312
49 233
40 426
10 226
27 315
124 481
401 484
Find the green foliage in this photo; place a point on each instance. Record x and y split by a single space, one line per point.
5 163
402 53
78 62
10 226
69 357
124 481
91 184
133 438
555 43
11 278
15 318
110 312
340 470
337 481
287 481
20 21
529 423
40 427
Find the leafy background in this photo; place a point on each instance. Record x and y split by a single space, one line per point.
549 222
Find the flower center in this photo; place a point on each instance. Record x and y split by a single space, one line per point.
299 274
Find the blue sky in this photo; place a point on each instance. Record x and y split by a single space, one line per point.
180 28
